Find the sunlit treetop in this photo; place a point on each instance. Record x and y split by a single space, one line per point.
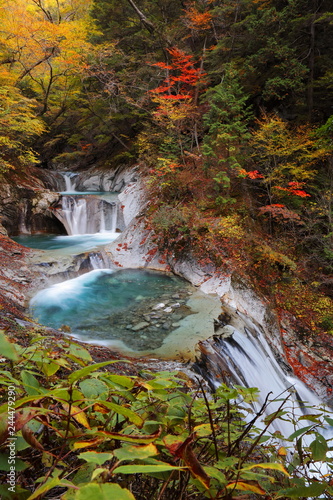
57 11
44 44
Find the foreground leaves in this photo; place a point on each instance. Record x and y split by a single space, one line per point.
91 431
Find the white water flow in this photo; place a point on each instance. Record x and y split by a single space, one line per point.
87 215
244 357
69 178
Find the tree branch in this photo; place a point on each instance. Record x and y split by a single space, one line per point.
148 24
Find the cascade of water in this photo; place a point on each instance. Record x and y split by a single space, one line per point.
96 261
87 215
102 224
245 358
69 184
23 218
75 217
114 218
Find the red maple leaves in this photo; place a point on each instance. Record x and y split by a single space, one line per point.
295 189
182 76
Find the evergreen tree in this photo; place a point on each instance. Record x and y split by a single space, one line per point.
226 124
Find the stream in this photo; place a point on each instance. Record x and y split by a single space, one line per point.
138 312
142 312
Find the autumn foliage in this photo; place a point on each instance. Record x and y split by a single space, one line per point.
182 76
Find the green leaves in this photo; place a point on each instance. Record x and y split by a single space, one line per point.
87 370
136 452
95 457
109 427
123 410
103 492
8 350
319 447
93 388
145 469
314 490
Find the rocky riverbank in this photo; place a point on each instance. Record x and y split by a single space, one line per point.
24 271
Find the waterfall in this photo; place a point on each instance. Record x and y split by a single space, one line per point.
97 261
241 355
69 184
87 215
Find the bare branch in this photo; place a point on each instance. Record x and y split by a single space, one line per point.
148 24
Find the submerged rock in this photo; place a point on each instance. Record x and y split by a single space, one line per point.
158 306
140 326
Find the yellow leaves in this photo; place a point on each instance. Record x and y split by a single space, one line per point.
285 153
6 76
267 255
253 486
89 443
45 44
282 451
17 114
18 124
77 413
229 227
269 466
170 113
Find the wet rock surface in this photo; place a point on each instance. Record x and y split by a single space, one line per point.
24 207
101 180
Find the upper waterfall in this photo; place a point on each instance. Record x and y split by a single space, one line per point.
69 178
87 215
86 212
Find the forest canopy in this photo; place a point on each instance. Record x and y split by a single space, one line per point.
226 106
226 109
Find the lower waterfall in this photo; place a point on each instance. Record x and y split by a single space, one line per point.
239 354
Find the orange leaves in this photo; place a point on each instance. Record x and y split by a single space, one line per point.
253 174
280 213
196 20
295 189
162 65
176 97
180 84
183 450
300 193
165 167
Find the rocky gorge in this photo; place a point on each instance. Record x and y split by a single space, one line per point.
217 301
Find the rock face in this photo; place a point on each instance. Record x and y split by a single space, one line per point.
51 179
24 207
99 180
92 179
15 278
136 248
